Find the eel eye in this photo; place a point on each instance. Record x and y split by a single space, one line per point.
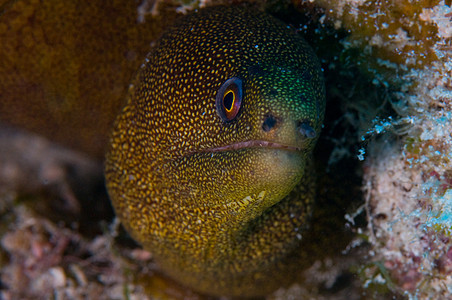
229 99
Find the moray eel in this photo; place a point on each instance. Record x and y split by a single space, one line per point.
209 166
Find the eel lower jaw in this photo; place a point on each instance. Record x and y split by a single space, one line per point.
254 144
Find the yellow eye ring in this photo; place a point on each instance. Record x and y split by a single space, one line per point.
229 99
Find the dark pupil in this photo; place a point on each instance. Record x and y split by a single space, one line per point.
228 100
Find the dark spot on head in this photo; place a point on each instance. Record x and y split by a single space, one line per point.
269 122
256 70
273 92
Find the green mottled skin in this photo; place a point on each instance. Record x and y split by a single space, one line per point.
220 222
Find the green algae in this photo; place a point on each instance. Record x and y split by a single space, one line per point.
388 30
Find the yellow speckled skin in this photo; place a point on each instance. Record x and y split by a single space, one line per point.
221 222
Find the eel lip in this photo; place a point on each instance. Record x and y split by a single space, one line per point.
254 144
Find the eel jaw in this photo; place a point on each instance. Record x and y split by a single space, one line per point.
254 144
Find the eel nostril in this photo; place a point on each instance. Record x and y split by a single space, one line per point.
306 130
269 122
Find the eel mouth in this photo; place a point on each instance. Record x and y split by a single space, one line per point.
254 144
